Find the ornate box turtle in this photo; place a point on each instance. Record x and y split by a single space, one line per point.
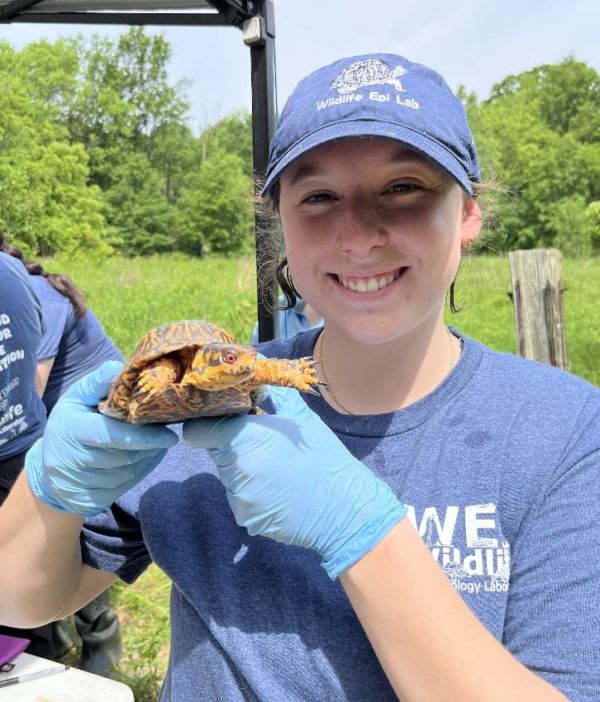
197 369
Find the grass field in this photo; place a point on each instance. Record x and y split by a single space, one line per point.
129 296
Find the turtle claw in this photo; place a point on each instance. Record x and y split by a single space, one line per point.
315 389
311 391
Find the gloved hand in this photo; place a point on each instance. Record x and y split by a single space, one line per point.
288 477
85 461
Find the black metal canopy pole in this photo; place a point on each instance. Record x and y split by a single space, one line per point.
259 34
15 7
166 19
132 12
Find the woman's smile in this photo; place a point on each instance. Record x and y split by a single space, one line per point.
372 283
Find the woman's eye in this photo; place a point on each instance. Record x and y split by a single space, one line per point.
316 198
403 188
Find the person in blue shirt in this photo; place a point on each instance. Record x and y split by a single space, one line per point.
72 344
293 320
424 529
22 412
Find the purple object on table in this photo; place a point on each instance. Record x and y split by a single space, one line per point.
10 648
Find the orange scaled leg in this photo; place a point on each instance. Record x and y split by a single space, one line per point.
296 373
161 373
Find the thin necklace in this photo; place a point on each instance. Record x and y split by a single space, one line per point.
451 338
326 379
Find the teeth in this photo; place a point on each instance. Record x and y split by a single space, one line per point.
367 285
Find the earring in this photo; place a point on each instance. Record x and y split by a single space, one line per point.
339 249
466 246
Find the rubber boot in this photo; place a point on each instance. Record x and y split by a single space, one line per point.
98 625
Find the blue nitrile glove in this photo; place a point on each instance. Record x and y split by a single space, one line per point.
288 477
85 461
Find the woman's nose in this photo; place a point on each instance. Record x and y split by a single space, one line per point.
360 230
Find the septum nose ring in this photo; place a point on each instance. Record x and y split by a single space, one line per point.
339 249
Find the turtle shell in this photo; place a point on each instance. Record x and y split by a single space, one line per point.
176 336
194 368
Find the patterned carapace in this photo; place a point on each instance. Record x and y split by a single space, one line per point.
197 369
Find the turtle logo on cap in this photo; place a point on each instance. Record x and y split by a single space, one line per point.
368 72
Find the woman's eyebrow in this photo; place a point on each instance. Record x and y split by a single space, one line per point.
400 156
410 156
307 170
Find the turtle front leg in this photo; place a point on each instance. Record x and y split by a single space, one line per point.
164 371
296 373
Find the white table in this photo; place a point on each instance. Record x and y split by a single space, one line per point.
70 685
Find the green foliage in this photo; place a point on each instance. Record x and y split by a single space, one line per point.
96 155
123 99
130 295
538 135
214 203
592 223
132 123
569 94
51 74
172 152
214 208
231 135
46 204
567 221
139 210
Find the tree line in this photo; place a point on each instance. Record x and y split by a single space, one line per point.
538 137
97 155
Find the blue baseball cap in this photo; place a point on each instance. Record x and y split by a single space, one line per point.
378 95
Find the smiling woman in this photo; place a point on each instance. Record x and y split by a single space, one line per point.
399 222
451 489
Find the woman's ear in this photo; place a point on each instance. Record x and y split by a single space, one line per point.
471 224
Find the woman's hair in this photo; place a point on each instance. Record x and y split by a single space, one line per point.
60 282
268 207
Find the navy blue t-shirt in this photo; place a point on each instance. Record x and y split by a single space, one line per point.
500 469
78 345
22 413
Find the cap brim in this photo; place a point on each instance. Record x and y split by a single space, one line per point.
433 150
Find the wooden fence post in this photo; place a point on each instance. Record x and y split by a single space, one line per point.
537 297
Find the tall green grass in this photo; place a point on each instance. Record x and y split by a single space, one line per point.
131 295
487 311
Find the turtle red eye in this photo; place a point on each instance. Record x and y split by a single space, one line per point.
229 357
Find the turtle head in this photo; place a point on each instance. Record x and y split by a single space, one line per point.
217 366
